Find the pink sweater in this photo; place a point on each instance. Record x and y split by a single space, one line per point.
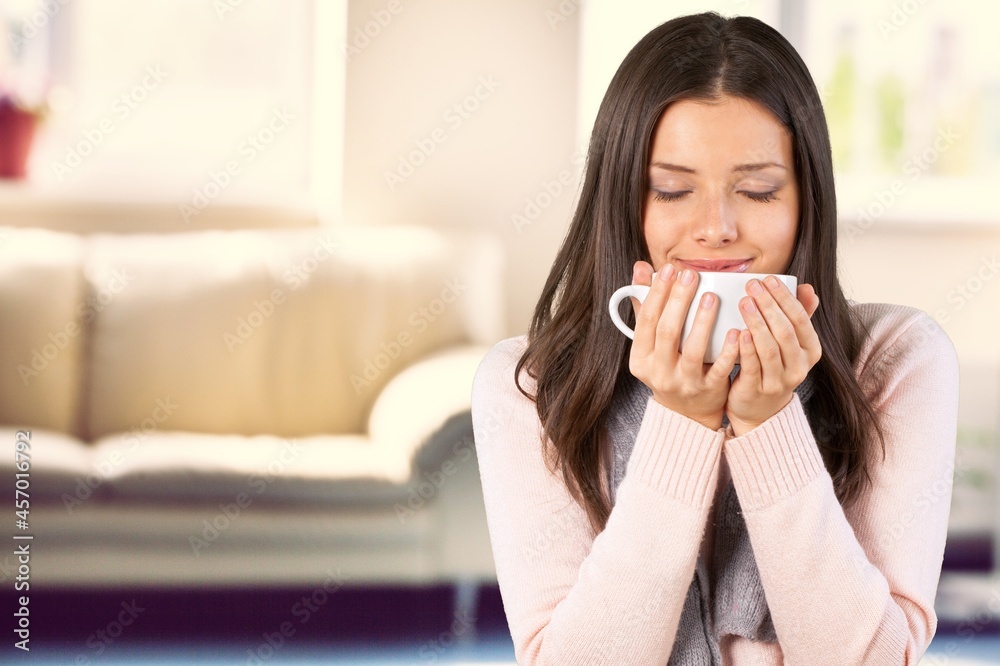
843 587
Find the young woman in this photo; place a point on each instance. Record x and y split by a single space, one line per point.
647 508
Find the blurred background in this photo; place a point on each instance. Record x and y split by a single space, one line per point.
252 251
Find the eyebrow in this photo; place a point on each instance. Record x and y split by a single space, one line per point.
741 168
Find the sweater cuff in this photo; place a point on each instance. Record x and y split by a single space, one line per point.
774 460
676 455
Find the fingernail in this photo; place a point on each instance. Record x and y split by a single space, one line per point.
666 272
772 281
706 300
687 277
731 337
748 305
755 288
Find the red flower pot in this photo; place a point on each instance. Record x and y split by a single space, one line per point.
17 129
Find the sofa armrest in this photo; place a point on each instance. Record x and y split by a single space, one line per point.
424 410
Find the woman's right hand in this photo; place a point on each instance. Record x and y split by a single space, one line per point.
680 381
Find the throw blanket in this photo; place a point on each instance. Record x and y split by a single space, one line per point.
739 606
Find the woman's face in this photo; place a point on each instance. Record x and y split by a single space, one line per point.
722 193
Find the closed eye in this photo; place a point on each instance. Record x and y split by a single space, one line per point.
762 197
669 196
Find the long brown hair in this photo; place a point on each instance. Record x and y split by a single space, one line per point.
576 356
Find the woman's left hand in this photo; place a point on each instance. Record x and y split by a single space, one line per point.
776 352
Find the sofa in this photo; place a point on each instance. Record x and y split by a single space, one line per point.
265 408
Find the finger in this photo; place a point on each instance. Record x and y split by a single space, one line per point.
648 314
750 368
807 296
642 273
778 308
643 267
766 347
724 364
797 313
675 311
697 341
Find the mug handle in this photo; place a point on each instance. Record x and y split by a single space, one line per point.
633 290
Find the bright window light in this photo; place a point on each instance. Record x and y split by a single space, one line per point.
189 101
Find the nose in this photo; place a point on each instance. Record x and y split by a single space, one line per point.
716 226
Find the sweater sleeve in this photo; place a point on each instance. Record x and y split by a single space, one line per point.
858 587
573 597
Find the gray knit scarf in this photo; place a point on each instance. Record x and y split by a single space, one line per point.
738 606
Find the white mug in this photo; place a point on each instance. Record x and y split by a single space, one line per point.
729 287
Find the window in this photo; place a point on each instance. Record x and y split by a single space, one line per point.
912 97
911 92
192 101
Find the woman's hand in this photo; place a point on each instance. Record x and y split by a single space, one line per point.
682 382
776 352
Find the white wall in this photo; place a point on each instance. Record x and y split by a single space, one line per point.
609 30
431 56
925 266
401 89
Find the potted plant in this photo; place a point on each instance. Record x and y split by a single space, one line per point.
17 130
23 85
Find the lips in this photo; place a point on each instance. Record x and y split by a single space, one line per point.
716 265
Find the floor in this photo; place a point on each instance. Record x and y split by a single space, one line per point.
963 650
950 650
248 628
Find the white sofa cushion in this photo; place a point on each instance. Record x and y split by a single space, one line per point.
288 333
185 467
59 463
431 394
43 319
